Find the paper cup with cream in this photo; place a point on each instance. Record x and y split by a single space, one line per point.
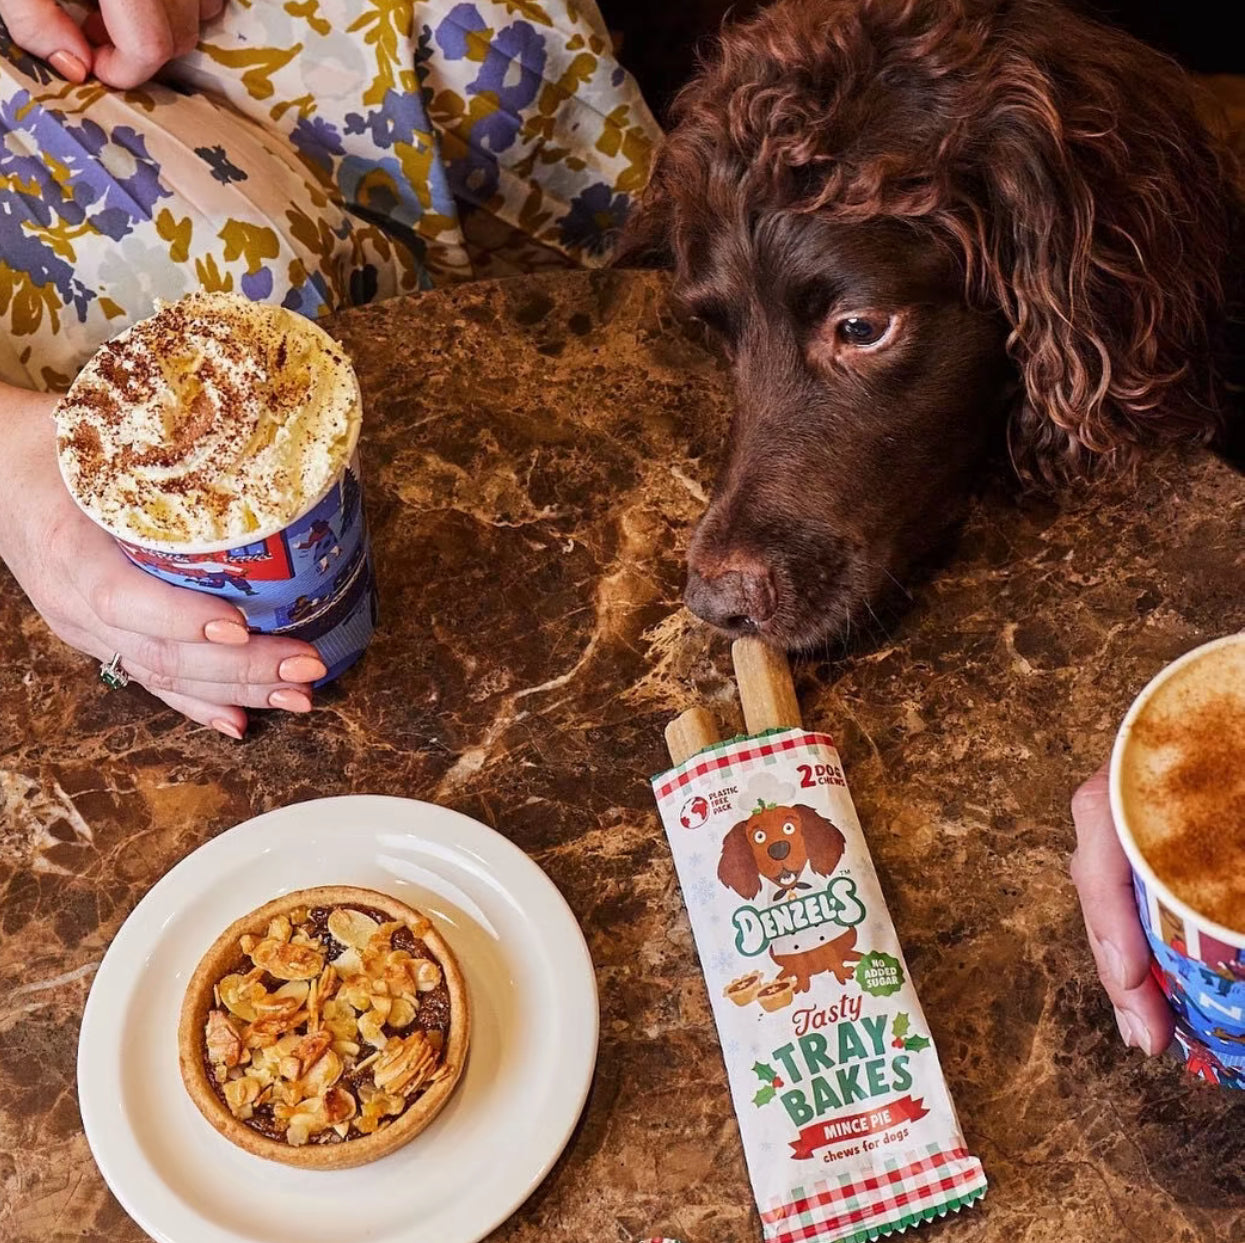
1178 798
216 441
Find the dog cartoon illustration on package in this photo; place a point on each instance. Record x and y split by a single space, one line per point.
785 851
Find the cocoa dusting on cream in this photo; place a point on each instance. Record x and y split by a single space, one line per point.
214 419
1200 854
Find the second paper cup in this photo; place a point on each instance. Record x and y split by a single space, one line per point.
1198 963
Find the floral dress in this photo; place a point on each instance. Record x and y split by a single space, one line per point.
315 153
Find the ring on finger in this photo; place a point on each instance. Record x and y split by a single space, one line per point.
113 675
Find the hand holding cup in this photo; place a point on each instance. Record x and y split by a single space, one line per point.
191 650
1104 884
1161 837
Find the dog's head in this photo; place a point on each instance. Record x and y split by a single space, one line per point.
917 228
777 844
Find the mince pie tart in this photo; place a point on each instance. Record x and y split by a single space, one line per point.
325 1029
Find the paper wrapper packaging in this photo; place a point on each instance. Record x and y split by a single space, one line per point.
848 1129
312 580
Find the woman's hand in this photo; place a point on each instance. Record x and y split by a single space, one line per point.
125 44
190 649
1104 882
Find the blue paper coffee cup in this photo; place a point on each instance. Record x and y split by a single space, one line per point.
194 438
312 580
1198 963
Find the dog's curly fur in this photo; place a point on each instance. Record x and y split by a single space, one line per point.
1064 165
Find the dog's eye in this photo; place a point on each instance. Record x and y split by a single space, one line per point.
788 828
863 330
759 836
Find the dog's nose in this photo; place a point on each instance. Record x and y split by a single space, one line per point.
779 850
736 594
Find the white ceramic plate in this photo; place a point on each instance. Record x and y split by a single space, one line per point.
534 1022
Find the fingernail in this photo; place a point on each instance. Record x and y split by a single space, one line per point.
301 669
290 700
222 630
1134 1033
68 66
1128 1031
1113 961
227 727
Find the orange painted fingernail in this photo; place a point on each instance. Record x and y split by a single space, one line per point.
227 727
289 699
301 669
222 630
68 66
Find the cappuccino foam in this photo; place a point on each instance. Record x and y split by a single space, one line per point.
1182 784
215 419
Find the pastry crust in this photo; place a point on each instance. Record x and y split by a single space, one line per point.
776 994
200 1000
743 991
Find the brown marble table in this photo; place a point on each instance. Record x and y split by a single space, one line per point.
535 455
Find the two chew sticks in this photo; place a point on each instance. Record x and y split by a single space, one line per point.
765 690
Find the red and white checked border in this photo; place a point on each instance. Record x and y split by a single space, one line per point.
739 753
889 1196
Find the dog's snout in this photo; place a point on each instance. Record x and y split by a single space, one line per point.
737 594
779 850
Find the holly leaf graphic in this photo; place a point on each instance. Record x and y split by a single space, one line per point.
764 1096
763 1072
901 1025
915 1044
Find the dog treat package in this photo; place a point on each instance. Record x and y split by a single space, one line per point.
848 1128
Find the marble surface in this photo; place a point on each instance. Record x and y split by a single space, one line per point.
535 455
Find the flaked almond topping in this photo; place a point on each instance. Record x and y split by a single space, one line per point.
352 928
314 1049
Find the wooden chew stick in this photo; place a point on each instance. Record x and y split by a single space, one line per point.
765 687
690 732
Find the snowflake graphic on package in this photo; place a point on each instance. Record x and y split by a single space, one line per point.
702 889
723 960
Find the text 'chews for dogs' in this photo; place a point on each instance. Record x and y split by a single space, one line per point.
847 1125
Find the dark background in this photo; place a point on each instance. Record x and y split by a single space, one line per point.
659 37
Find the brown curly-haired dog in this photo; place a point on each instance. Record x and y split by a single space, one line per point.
918 226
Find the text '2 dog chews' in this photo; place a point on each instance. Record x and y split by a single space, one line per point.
848 1128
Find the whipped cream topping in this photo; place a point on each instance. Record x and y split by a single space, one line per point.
217 419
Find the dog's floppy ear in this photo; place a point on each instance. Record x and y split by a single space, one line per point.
822 841
1103 219
737 868
645 240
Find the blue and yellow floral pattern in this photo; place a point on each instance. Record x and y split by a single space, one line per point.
316 153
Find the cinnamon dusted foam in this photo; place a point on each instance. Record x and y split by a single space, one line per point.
215 419
1182 784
